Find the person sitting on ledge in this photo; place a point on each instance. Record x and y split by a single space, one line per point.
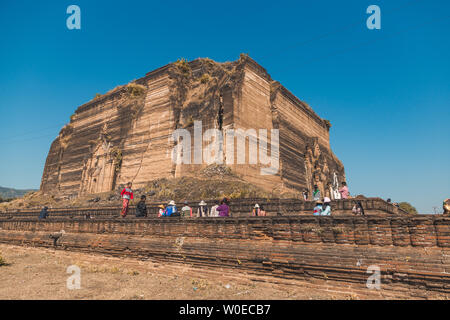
258 211
214 212
141 208
171 210
223 209
318 208
358 208
316 193
202 210
186 211
127 195
44 213
326 208
161 211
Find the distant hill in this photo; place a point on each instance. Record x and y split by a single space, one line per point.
7 193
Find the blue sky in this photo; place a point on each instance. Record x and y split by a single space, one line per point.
386 92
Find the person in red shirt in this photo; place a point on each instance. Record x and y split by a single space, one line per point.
127 195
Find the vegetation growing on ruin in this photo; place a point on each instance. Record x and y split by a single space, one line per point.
327 123
189 122
205 78
65 134
136 90
117 156
133 101
183 66
5 199
406 206
243 56
190 188
97 95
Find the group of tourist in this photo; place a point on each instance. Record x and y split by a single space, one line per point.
171 210
316 195
222 209
322 206
217 210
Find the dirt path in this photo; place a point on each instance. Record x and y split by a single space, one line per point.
39 273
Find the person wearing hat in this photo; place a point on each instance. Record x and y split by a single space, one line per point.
318 208
326 208
161 211
171 210
202 210
186 211
256 210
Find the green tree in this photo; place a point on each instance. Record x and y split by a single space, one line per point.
406 206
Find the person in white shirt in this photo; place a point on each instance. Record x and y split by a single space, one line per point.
326 208
214 212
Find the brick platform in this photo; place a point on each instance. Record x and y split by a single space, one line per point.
413 253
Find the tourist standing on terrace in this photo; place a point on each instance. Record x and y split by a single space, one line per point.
344 191
202 210
305 194
326 208
141 208
127 195
44 213
186 211
171 210
316 193
223 209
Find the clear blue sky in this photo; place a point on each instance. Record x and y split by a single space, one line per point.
386 92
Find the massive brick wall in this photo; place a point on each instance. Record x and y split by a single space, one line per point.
411 252
119 137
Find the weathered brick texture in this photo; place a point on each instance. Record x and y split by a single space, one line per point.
412 252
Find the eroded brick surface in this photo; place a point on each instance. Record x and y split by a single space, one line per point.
307 248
